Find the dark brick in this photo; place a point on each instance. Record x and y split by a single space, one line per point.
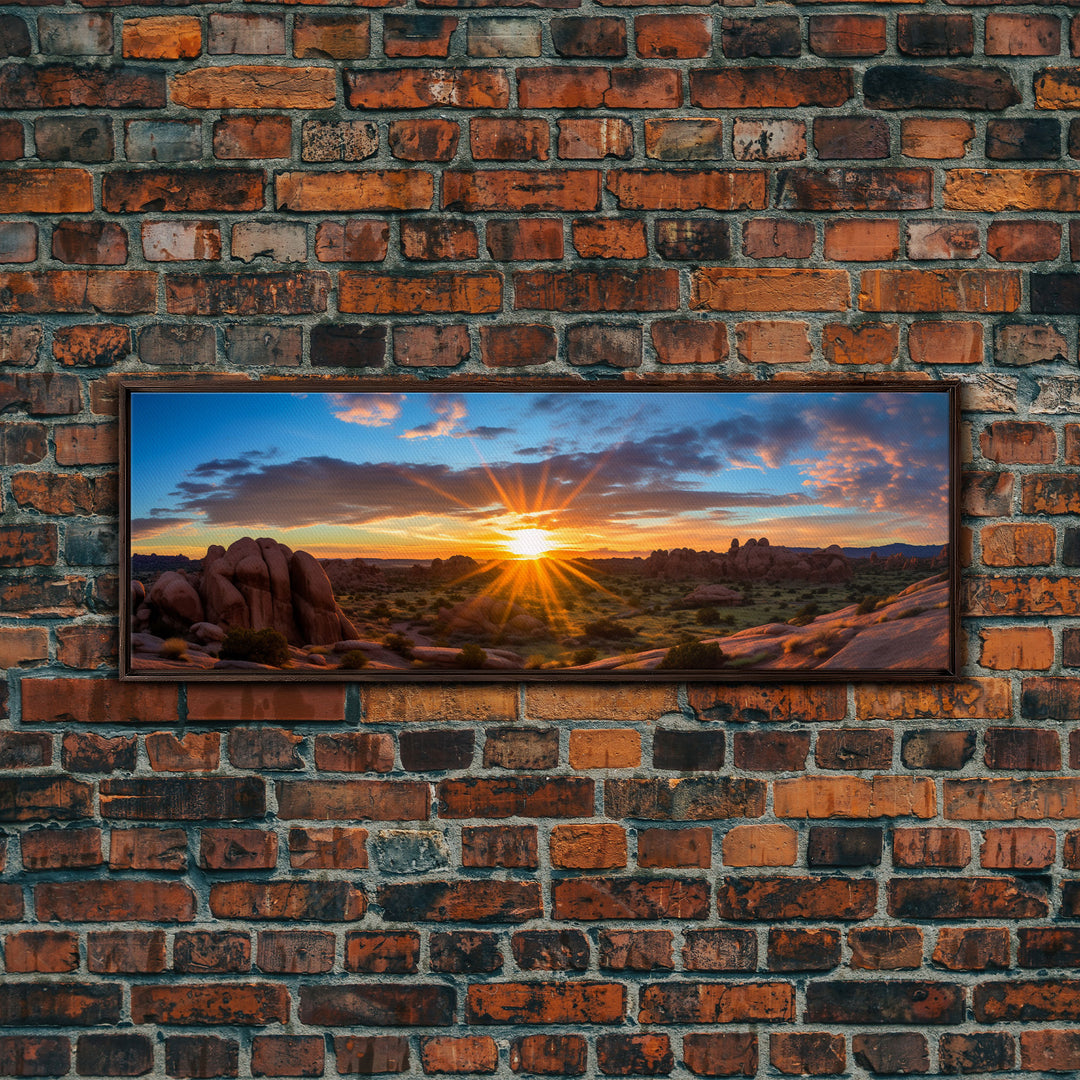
550 950
898 1053
803 950
116 1054
857 845
693 239
436 750
935 35
771 751
201 1057
1023 140
1055 294
377 1004
775 36
890 86
688 751
980 1052
348 345
853 137
937 749
854 748
891 1002
14 36
720 950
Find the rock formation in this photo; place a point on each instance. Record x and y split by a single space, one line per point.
490 618
756 560
256 584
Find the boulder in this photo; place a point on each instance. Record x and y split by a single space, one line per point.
176 599
253 584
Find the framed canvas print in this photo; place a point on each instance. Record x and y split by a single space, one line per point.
539 530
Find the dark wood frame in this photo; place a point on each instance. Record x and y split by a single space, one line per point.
469 384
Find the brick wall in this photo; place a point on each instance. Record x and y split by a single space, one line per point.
211 881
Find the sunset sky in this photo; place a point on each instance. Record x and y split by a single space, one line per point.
419 475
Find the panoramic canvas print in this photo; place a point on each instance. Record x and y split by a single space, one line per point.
593 532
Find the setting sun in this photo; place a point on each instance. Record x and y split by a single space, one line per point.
529 543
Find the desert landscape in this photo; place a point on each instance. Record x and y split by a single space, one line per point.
681 610
414 541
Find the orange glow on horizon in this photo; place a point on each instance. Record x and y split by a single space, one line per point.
530 543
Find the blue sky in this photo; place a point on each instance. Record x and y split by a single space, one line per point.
429 474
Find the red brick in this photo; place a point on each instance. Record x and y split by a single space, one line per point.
382 952
634 1055
584 37
437 291
1028 648
665 37
546 1003
946 342
610 238
287 1055
766 898
238 849
720 950
761 845
240 138
868 343
1023 35
885 948
88 243
1024 241
421 88
776 238
87 752
506 845
596 87
125 951
629 898
1017 849
596 290
461 1054
113 292
370 1054
205 951
768 87
423 35
337 847
635 950
46 191
508 139
1018 545
847 35
769 289
549 1055
148 849
734 1054
972 949
803 950
295 952
61 849
1050 1051
517 345
51 951
807 1053
214 1003
684 342
162 37
861 240
461 901
659 189
372 189
339 37
529 191
209 703
594 138
326 901
715 1003
423 139
114 901
773 341
354 752
34 1055
671 848
525 239
590 847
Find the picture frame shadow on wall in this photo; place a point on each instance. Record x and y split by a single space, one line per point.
539 530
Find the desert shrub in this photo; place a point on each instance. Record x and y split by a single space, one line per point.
608 630
693 655
174 648
535 661
708 616
257 646
379 611
353 660
805 615
400 644
822 651
471 656
867 604
584 656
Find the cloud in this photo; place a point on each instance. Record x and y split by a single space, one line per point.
148 528
450 410
367 410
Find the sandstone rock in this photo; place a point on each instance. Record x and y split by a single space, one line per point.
490 617
176 599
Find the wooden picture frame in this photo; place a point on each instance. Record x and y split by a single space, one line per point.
482 530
